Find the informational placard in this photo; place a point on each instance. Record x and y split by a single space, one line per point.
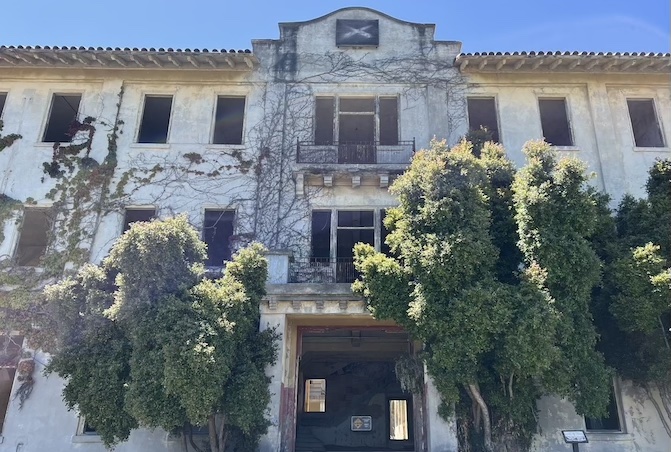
362 423
574 436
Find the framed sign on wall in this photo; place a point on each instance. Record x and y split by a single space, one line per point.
357 33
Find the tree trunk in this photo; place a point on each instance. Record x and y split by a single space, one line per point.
486 419
212 430
222 435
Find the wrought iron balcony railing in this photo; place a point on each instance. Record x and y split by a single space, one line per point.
322 270
355 152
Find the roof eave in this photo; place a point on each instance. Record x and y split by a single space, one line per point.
564 62
126 59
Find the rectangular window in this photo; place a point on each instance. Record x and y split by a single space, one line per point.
482 115
611 422
229 120
360 120
315 395
217 232
388 121
34 237
321 234
10 354
135 215
347 228
398 420
554 121
3 99
644 123
354 227
325 109
155 119
87 429
64 109
384 248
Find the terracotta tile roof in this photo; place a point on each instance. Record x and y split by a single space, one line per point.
126 58
612 62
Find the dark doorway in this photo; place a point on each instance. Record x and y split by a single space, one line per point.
349 398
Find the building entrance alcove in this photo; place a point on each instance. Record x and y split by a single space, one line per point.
348 395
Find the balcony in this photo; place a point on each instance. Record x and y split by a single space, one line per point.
355 152
317 270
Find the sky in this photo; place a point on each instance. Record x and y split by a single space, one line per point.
481 25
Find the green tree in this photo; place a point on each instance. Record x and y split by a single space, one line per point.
500 324
145 340
633 306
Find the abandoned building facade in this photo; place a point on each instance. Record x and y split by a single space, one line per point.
295 144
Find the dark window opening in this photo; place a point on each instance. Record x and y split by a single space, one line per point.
356 120
63 112
217 232
325 109
554 121
355 218
135 215
10 354
34 238
321 234
229 118
388 121
644 123
3 99
611 422
384 232
482 114
155 119
354 227
88 429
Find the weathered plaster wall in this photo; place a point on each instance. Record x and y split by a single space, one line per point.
598 115
45 424
642 429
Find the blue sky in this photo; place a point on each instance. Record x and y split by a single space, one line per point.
482 25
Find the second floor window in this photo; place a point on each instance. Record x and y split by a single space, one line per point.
64 109
155 119
554 121
356 120
644 123
3 98
482 114
228 120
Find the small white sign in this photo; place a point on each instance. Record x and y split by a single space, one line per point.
574 436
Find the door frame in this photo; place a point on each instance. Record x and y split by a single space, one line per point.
289 396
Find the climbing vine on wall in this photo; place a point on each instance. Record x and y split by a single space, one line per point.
7 140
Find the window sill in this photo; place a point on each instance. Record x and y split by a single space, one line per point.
50 145
566 148
86 439
652 149
149 145
225 146
597 436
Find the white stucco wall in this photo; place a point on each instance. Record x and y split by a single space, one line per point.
598 115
